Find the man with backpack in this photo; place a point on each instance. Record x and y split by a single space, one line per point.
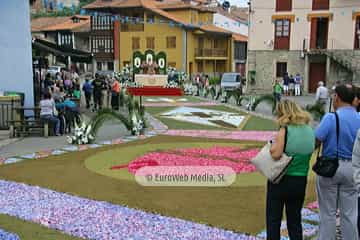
337 133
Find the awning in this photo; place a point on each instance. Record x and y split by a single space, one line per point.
49 47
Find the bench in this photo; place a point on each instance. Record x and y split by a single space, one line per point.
27 127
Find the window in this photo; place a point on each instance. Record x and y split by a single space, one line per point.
283 5
76 20
170 42
135 43
150 18
150 43
357 33
65 39
172 64
110 66
281 69
200 67
102 22
282 34
320 5
102 44
240 51
217 43
99 66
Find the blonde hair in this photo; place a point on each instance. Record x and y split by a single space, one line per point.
291 113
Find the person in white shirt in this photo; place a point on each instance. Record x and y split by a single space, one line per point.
298 82
322 94
47 112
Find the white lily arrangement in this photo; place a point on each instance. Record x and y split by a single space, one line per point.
82 135
171 84
137 124
189 89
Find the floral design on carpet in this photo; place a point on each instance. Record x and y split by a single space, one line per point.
208 117
234 157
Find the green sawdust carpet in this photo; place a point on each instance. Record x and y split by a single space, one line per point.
239 208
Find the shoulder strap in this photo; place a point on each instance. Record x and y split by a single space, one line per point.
286 138
337 134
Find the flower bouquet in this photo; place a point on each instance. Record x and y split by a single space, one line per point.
82 135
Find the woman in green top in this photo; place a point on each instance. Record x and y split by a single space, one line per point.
290 192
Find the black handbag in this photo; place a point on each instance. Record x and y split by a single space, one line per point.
327 166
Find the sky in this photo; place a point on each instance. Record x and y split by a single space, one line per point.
242 3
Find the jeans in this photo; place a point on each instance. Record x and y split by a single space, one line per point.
115 101
290 192
54 120
98 99
338 192
277 97
88 99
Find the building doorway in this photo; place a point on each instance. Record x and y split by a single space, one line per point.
317 73
319 33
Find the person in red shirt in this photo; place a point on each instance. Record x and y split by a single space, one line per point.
115 91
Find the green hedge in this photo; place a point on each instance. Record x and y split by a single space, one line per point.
214 81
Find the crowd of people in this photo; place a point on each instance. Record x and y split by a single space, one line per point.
61 95
290 86
337 194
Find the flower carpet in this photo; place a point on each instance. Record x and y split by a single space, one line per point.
261 136
91 219
71 148
203 116
185 104
8 236
233 157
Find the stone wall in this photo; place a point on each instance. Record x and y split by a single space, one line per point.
264 63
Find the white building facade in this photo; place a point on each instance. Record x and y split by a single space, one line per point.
317 38
230 24
15 48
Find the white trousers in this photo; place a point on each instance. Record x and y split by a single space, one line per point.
297 90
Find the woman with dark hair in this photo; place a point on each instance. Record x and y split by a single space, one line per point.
47 112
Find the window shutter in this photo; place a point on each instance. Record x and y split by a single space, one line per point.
283 5
321 5
313 33
357 32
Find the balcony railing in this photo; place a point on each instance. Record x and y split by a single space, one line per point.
132 27
331 44
210 52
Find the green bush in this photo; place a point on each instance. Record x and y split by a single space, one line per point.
316 110
214 81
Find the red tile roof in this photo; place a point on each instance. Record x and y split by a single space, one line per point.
155 7
38 24
63 23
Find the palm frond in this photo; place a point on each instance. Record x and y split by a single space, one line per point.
316 110
107 114
268 98
212 92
